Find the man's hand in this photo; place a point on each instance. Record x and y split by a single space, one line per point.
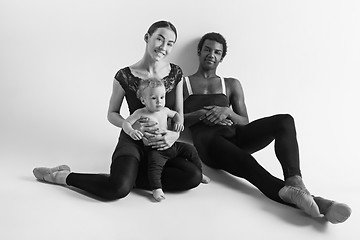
216 115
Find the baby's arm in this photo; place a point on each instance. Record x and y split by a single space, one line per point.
127 126
178 120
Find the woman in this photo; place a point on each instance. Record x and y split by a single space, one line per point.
216 114
128 167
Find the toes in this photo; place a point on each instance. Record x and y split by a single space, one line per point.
159 198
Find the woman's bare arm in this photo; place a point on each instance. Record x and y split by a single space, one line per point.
116 101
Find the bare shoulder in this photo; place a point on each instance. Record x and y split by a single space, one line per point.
230 81
167 110
139 112
233 85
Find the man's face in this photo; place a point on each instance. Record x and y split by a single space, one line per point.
210 54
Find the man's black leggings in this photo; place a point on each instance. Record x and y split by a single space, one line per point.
234 155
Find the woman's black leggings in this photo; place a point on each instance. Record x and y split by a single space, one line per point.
129 169
234 155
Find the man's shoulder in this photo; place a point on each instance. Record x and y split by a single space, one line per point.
231 80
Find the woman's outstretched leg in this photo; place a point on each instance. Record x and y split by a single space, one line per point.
109 187
117 184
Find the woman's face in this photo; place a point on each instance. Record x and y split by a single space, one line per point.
160 43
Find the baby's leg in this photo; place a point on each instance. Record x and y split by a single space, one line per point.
158 194
156 162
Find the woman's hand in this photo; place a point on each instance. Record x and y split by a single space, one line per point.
216 115
178 127
163 140
148 127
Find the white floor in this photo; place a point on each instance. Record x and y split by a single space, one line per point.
56 73
227 208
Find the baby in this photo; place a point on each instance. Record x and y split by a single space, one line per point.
152 94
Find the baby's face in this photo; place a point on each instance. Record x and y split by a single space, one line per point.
154 98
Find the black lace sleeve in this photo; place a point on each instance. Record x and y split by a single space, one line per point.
174 77
127 81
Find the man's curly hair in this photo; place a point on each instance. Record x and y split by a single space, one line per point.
214 37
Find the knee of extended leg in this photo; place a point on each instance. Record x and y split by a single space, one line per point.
119 192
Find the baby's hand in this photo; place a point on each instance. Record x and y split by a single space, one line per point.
136 134
178 127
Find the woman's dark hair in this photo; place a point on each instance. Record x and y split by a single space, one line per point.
162 24
214 37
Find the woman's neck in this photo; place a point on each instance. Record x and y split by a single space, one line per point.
149 65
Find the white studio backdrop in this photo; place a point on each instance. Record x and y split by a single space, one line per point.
58 60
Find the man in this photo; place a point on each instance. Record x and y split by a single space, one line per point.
216 114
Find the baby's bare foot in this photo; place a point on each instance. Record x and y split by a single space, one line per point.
205 179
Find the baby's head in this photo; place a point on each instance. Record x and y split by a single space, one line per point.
151 93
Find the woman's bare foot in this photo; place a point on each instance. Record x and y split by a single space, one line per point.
55 175
158 194
205 179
